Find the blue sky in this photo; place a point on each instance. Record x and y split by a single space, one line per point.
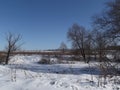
43 24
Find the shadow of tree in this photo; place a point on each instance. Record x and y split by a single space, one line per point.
56 69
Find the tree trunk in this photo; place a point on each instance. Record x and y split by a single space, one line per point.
83 55
7 57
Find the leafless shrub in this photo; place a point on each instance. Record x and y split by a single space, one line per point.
12 45
44 61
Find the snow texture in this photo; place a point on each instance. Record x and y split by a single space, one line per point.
24 73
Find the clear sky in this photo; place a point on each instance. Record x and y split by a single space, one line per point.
43 24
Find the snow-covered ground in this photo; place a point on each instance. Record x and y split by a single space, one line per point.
24 73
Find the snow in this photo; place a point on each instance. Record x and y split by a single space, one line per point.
24 73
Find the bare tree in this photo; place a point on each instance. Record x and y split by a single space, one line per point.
109 20
63 46
12 44
101 45
77 35
109 23
89 45
106 65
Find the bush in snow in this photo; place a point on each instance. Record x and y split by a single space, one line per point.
44 61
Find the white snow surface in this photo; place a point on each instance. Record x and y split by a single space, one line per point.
24 73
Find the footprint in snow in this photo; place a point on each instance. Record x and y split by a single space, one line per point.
52 82
74 87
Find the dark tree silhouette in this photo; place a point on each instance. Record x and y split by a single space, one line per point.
12 44
77 35
109 21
